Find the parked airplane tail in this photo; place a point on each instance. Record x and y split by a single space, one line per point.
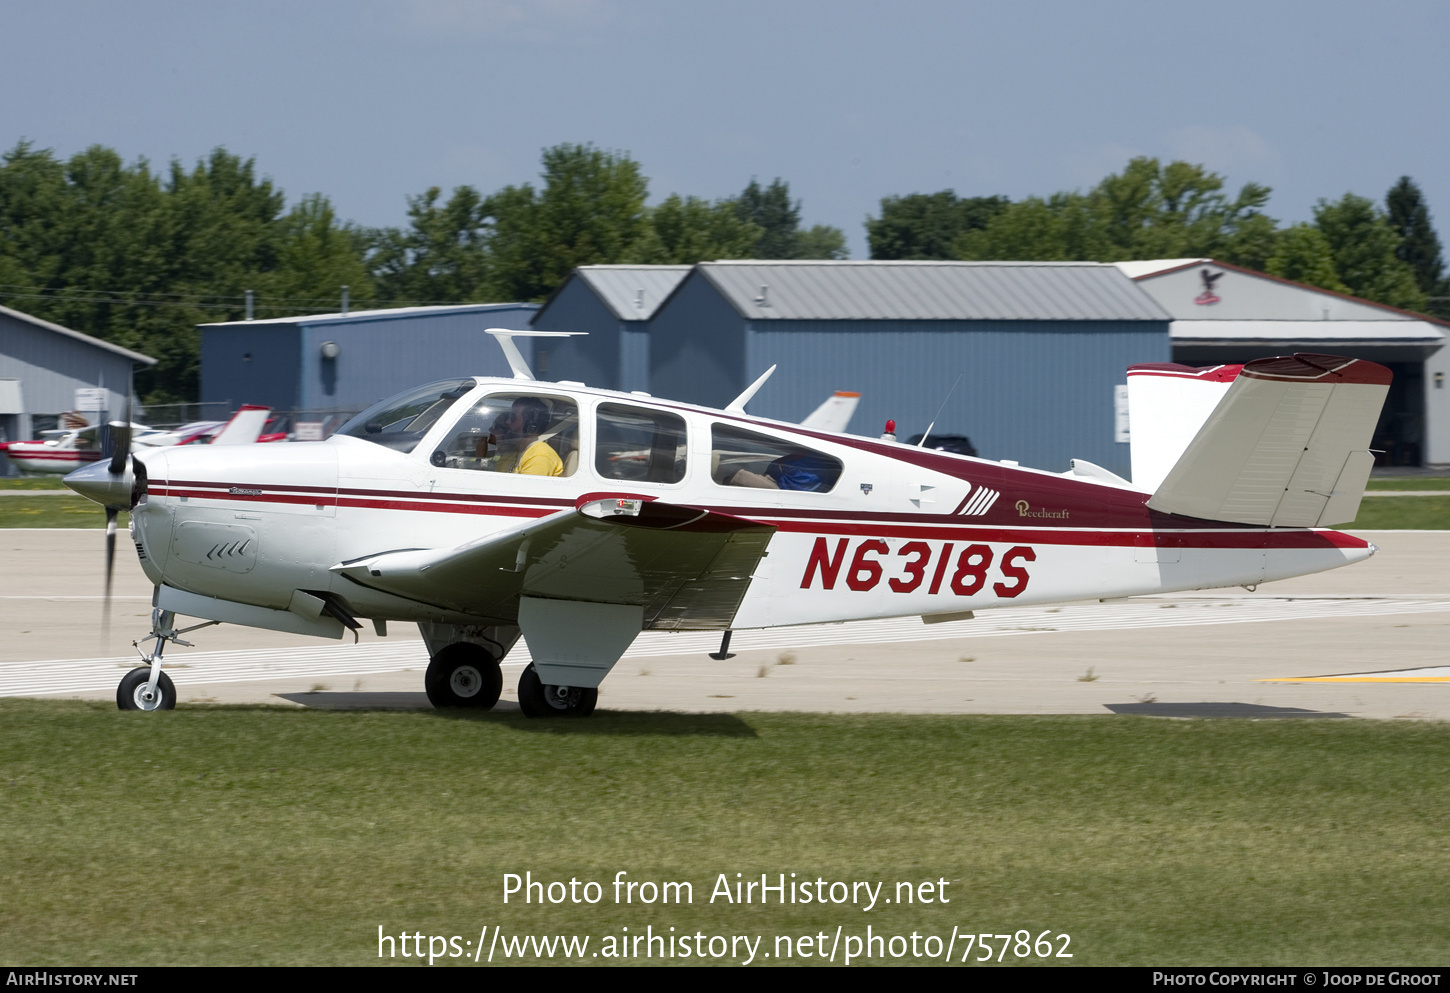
244 427
1287 445
834 414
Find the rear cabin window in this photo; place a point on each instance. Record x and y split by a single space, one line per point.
744 458
525 433
637 444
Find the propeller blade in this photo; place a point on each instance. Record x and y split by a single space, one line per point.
111 514
121 441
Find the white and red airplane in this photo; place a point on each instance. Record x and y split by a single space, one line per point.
70 448
480 509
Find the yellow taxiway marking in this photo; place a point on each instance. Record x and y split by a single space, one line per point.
1428 674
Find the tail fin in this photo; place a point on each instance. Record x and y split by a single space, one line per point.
1287 445
834 414
1167 404
244 427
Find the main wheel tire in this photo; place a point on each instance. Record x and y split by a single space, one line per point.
131 694
463 675
538 699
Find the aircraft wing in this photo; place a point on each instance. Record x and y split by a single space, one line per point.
1286 446
687 568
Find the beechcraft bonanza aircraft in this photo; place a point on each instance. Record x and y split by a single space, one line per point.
485 508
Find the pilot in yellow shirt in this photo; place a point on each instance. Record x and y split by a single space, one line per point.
540 459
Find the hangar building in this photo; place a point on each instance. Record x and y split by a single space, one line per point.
1039 346
41 367
1227 314
344 362
615 304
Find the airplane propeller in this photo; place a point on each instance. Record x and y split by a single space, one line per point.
111 483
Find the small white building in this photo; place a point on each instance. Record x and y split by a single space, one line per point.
1227 314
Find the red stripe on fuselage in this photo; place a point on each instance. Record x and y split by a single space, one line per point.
1180 533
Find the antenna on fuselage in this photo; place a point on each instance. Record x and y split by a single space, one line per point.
511 351
737 406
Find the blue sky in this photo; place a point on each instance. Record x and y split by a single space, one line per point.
369 101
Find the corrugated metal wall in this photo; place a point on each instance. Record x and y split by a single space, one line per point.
697 346
251 363
52 366
593 358
1039 392
379 356
382 357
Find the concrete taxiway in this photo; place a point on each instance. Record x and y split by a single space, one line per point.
1380 631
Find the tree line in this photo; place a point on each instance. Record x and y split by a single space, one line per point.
140 257
1388 253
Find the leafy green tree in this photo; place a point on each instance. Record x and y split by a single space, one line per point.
1147 211
591 210
778 217
316 256
926 225
1364 245
772 211
685 230
441 257
138 259
1419 246
822 241
1303 254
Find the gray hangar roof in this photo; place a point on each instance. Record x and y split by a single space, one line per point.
946 291
78 336
633 292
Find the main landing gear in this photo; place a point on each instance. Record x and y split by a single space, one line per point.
463 675
536 699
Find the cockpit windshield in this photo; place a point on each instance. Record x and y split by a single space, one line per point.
401 421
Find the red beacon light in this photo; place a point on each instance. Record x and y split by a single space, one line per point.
890 434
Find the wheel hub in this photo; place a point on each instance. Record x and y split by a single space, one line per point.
562 697
465 681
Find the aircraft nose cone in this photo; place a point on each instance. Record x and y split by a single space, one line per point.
95 482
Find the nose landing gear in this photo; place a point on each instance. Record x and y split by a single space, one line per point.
146 687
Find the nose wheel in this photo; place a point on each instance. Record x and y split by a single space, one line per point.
146 687
539 699
136 692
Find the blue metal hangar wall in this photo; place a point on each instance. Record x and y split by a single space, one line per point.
1040 346
43 364
332 362
614 304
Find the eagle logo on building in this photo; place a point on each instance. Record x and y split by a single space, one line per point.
1208 296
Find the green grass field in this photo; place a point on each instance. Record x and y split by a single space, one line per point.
1410 483
267 836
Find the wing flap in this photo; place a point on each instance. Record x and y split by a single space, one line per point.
1285 447
686 568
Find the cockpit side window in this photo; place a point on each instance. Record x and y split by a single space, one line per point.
744 458
401 421
639 444
525 433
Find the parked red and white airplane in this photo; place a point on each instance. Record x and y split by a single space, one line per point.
482 508
65 450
